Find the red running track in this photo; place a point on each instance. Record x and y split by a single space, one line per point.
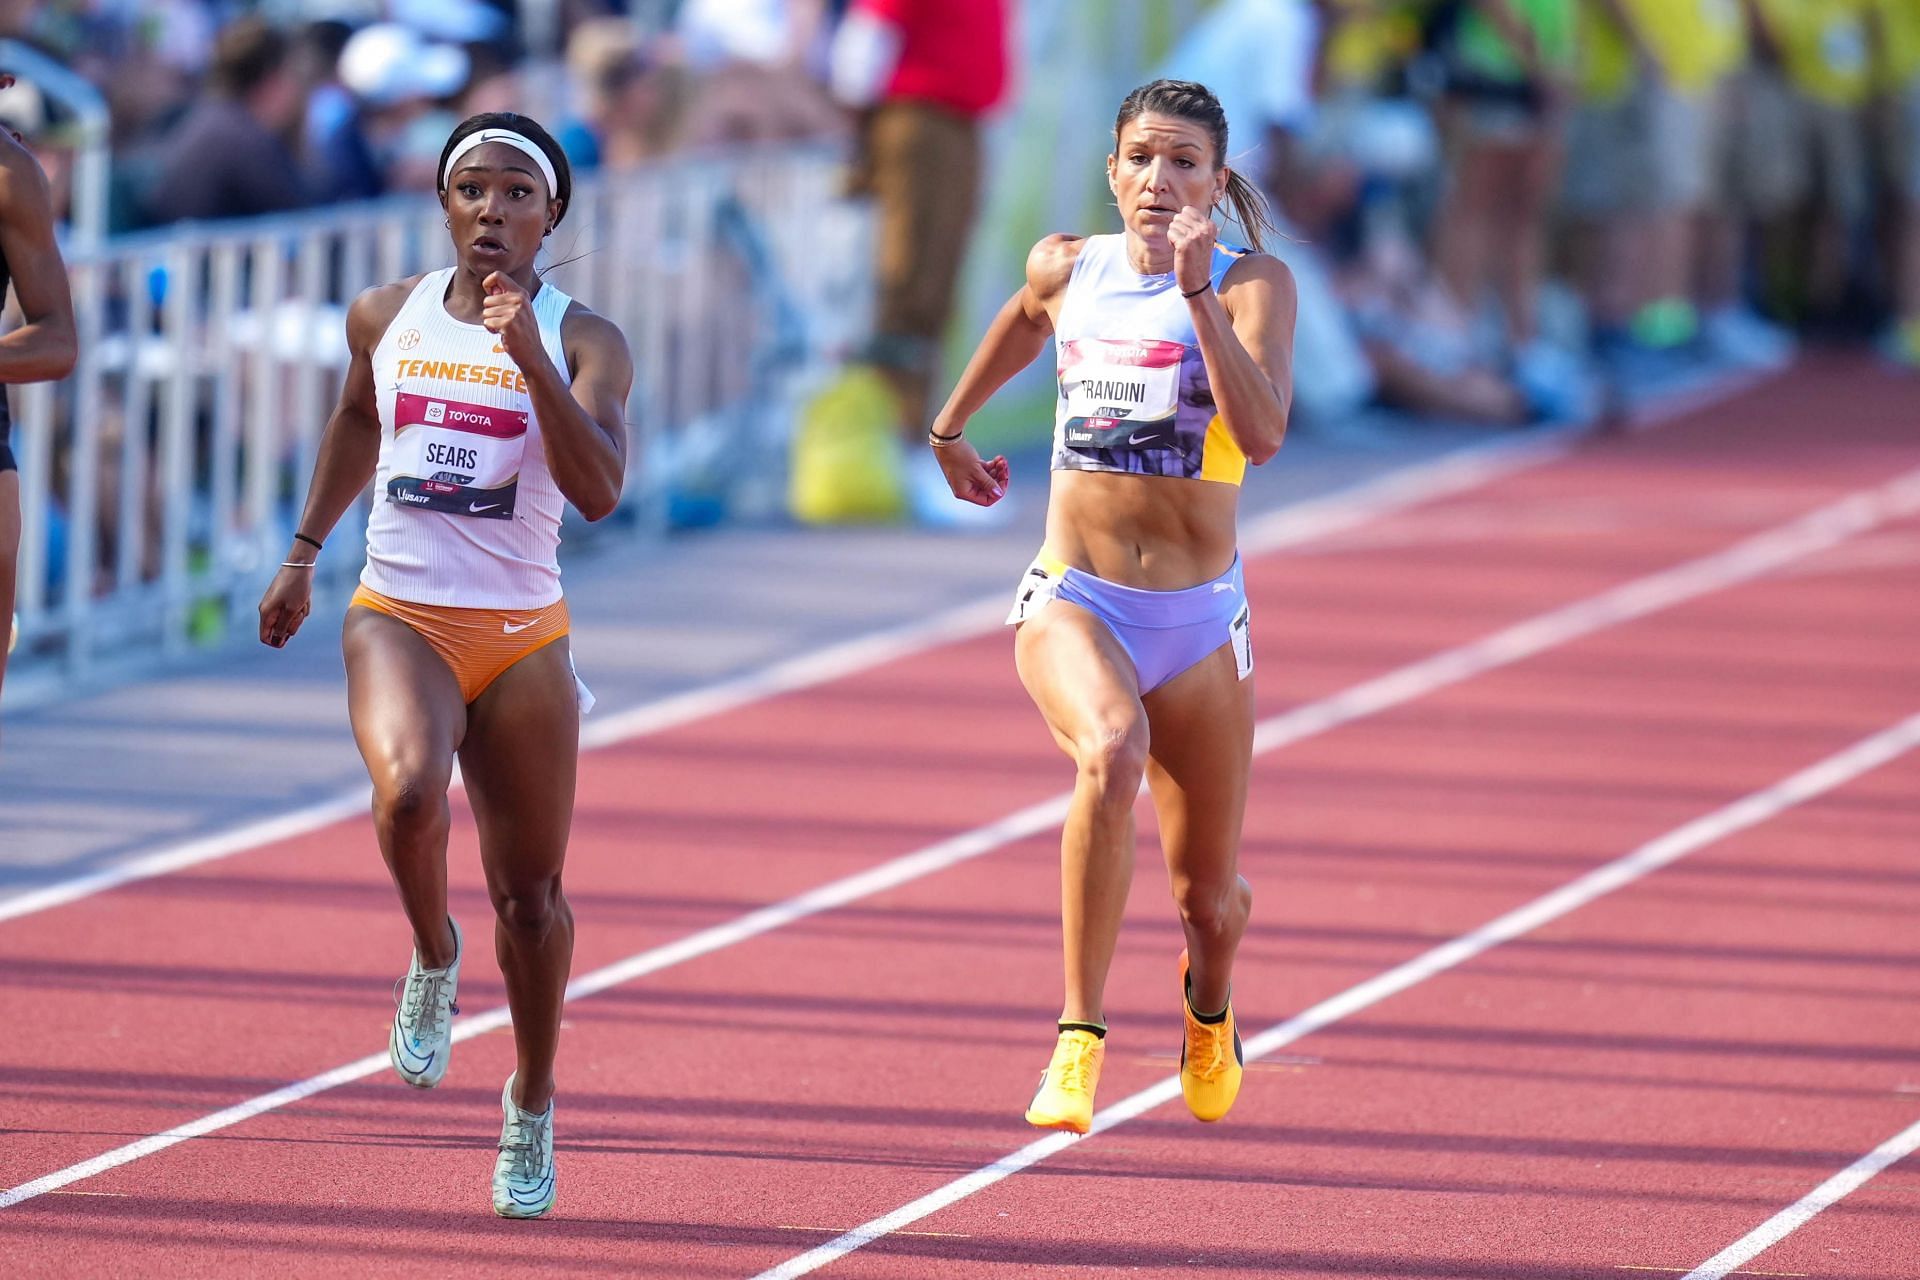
1621 1093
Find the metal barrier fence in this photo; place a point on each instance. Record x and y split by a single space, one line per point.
161 480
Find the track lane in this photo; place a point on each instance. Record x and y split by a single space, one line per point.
793 762
1593 1098
1401 829
1782 545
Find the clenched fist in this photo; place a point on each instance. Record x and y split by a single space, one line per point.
508 312
1193 234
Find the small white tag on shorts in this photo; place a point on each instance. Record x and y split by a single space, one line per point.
582 695
1241 630
1037 587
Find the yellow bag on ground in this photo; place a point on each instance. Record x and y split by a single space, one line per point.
847 463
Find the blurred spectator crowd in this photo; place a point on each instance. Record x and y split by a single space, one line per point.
1499 210
223 109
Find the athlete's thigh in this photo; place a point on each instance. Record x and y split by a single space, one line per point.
519 760
403 700
1077 674
9 539
9 553
1200 758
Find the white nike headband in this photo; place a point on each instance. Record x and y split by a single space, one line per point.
519 142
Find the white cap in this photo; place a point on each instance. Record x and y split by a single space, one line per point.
23 107
457 20
388 63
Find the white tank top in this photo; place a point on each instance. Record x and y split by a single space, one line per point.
465 512
1133 390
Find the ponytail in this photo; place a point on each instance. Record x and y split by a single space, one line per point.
1250 211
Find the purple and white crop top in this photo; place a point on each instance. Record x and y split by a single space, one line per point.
1133 389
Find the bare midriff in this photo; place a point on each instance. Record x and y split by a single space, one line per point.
1158 533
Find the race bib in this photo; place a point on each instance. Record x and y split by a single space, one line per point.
1119 394
457 458
1241 631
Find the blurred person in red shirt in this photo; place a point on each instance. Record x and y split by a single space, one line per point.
923 73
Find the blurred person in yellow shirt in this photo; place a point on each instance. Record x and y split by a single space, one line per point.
1369 140
1895 41
1509 70
1640 144
1368 39
1750 180
1823 46
1815 59
1823 53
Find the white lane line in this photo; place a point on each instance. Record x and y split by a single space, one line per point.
1746 812
1741 562
160 862
1802 1211
1302 522
1305 521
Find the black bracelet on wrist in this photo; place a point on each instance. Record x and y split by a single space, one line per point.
301 537
1197 292
935 439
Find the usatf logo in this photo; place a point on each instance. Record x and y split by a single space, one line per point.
408 340
436 412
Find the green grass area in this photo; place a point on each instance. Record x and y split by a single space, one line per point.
1013 420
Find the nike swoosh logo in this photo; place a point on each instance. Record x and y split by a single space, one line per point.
412 1059
512 630
1137 438
536 1195
477 507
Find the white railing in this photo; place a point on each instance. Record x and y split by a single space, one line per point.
160 481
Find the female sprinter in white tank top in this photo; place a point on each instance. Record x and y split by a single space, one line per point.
479 400
1175 372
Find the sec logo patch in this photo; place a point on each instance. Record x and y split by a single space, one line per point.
408 340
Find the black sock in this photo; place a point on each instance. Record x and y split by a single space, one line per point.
1099 1029
1206 1019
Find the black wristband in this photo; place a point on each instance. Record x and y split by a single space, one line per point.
1197 292
301 537
935 435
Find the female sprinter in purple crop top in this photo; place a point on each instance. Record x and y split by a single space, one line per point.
1175 372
